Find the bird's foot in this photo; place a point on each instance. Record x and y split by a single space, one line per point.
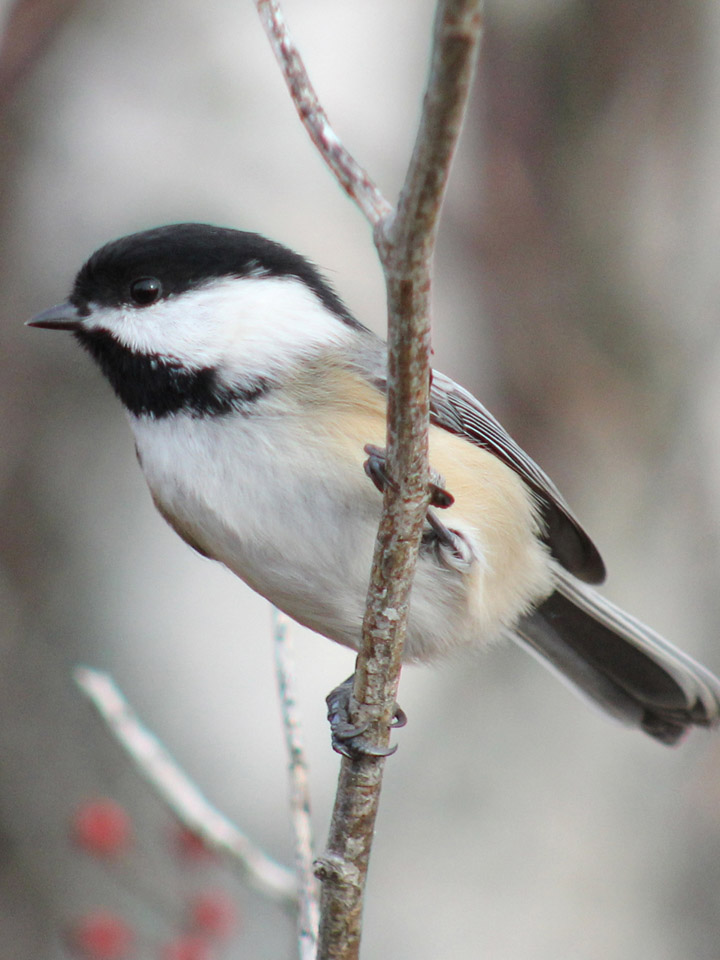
451 547
346 736
376 469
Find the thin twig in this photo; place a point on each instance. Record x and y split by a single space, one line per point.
405 243
180 794
308 911
351 176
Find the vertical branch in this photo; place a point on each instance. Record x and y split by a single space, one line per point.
299 791
405 241
405 246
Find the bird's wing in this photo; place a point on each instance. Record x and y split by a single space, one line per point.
455 409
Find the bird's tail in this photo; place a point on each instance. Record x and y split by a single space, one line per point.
626 668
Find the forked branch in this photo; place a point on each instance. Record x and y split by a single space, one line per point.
405 240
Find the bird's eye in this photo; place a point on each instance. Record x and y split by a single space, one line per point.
145 290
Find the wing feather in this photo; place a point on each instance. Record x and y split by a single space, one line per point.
455 409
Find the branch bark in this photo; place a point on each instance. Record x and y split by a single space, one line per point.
351 176
405 241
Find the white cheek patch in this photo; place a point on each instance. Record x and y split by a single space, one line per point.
247 325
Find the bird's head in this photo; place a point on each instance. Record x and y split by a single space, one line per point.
189 315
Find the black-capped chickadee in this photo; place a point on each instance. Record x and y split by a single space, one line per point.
252 393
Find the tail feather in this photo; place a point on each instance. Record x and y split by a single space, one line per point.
624 666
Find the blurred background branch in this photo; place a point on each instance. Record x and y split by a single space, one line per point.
29 27
307 887
183 797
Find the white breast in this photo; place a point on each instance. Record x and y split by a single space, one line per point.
264 495
271 508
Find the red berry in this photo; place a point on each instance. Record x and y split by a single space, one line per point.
102 827
193 847
101 935
186 948
213 913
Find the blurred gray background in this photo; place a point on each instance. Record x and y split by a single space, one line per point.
576 293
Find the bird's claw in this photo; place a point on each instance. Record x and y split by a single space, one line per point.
347 737
451 547
375 468
399 718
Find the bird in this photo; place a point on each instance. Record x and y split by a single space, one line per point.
257 402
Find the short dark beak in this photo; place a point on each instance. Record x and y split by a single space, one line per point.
63 316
